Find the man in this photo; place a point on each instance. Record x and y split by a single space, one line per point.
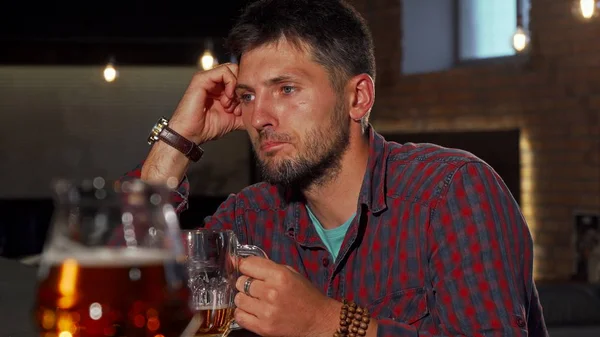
426 240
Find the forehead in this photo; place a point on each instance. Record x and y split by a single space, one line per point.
278 58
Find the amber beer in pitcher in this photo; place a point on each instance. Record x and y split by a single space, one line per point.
212 265
113 265
111 293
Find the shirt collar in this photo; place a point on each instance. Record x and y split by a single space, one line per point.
372 192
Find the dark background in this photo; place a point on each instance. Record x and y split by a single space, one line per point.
141 32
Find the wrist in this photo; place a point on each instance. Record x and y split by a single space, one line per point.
163 164
183 129
169 155
329 318
355 321
372 330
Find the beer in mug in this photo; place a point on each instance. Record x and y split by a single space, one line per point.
212 265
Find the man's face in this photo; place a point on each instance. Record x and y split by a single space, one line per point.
298 124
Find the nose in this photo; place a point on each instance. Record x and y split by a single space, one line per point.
262 114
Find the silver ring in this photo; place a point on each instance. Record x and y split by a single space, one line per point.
247 285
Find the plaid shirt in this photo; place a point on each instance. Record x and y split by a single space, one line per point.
438 246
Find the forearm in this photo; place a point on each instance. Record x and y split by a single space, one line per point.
164 165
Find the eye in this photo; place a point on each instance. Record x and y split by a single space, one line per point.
246 97
288 89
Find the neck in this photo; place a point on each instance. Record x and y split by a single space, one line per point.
334 201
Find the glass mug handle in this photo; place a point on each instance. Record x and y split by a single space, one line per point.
251 250
245 251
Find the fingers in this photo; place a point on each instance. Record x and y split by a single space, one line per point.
213 83
256 289
221 79
224 81
238 110
229 104
247 310
248 304
219 84
246 320
230 89
260 268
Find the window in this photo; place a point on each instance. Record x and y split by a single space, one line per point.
438 34
485 28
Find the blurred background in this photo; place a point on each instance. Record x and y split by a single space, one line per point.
516 82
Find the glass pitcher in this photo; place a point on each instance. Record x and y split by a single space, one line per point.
113 264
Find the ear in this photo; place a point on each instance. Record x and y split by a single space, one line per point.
361 90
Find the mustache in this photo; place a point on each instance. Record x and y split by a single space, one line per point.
271 136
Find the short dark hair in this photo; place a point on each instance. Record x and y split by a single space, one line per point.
337 35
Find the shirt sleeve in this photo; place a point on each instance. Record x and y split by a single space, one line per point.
223 218
179 196
480 261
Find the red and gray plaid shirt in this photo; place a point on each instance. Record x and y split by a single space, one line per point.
438 246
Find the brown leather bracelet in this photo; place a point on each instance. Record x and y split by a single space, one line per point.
161 131
354 321
185 146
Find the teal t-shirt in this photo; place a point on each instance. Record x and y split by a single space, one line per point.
332 238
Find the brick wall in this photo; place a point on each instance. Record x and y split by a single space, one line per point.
552 96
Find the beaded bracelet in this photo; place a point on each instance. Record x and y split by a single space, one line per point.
354 321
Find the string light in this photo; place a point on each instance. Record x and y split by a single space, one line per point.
207 59
110 72
587 8
520 39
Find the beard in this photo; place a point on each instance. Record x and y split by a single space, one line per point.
318 160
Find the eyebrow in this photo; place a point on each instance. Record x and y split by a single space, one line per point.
269 82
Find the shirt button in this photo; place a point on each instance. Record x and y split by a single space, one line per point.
325 262
520 322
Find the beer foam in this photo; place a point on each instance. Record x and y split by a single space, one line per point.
107 257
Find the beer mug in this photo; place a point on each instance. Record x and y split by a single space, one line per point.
212 264
113 264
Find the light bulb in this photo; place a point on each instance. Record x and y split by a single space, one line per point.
110 73
587 8
520 39
207 61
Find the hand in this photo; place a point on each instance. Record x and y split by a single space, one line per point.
209 108
283 302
